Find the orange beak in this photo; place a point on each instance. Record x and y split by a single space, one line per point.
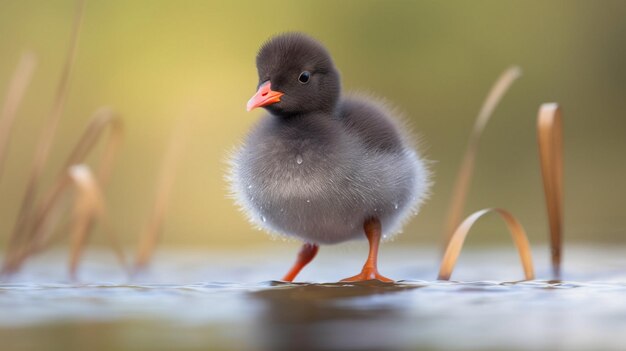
264 96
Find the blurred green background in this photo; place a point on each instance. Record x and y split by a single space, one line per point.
159 62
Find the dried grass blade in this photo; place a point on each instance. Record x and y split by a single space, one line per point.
15 93
102 119
151 232
453 250
464 176
18 240
52 206
89 206
550 138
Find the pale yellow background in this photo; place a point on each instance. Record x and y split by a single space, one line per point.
157 62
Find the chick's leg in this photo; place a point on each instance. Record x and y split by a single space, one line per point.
373 232
306 255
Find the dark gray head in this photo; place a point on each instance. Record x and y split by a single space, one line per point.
296 76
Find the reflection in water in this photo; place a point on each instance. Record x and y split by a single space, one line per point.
313 317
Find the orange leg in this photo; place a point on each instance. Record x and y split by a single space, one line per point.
306 255
373 233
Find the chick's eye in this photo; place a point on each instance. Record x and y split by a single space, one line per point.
304 77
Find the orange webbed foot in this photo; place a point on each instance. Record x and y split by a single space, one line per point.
368 273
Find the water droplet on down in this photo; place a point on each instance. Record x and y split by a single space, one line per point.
299 159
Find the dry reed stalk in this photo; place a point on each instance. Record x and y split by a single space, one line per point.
89 206
455 244
52 206
550 138
17 87
102 119
464 176
17 239
150 235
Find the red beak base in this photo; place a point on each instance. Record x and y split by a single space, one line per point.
264 96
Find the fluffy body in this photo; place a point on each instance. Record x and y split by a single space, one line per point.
320 179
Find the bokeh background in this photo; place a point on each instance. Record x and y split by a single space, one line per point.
162 62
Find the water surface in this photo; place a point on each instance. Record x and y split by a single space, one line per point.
196 300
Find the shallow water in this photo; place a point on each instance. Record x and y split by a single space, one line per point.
224 301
